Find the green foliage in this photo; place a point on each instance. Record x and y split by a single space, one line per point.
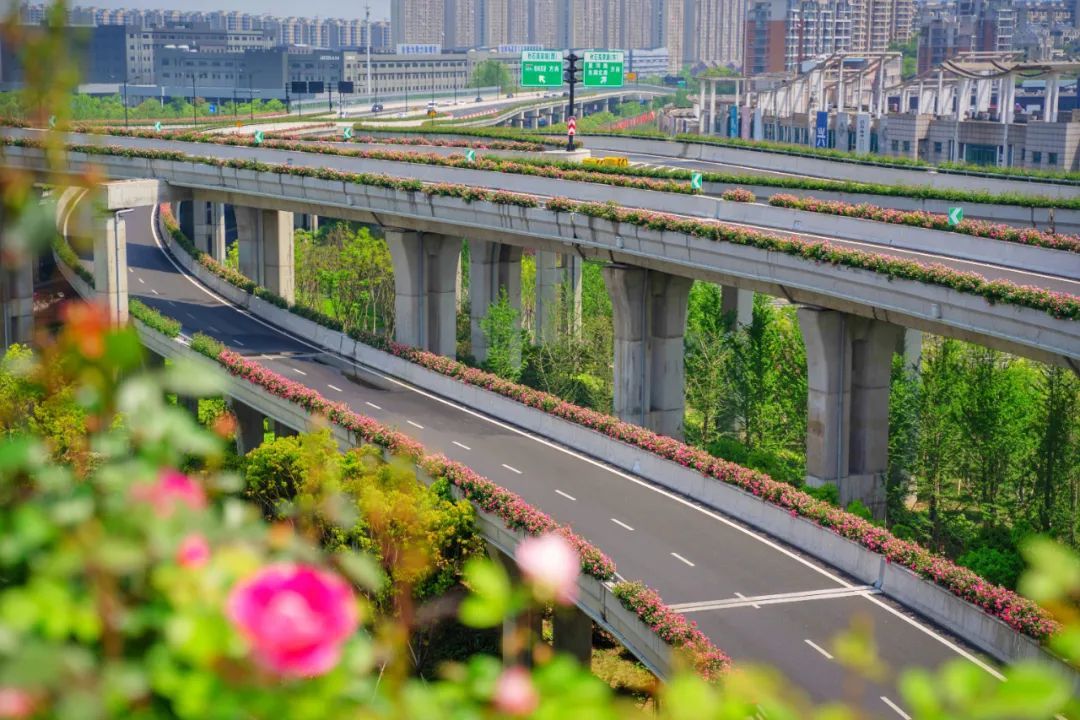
492 73
827 492
504 337
858 508
154 319
1002 567
208 346
111 107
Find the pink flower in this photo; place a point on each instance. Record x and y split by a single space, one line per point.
296 618
551 564
194 551
15 703
171 489
514 692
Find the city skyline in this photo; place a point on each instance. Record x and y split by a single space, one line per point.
380 9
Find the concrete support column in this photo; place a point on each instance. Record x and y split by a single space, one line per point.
737 304
521 633
558 285
201 222
248 237
493 267
712 107
17 300
110 265
701 107
912 350
572 633
282 430
277 251
425 301
650 320
849 362
249 427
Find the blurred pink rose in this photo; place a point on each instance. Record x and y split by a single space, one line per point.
171 489
194 551
551 565
295 617
514 692
15 703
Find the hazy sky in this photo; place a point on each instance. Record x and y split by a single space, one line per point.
380 9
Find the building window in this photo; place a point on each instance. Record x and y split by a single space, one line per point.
1036 157
1051 158
937 148
907 146
895 145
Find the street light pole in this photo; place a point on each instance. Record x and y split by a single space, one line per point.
367 22
125 105
251 99
194 109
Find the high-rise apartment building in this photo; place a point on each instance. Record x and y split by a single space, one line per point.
718 31
782 34
876 24
417 21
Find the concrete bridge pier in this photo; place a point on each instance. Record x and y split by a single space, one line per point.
17 301
208 227
737 304
110 264
493 268
425 302
530 120
849 363
266 249
572 633
250 426
650 320
557 274
613 104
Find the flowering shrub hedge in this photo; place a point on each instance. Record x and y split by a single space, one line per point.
738 195
491 498
923 219
1060 305
671 627
66 254
154 319
1018 612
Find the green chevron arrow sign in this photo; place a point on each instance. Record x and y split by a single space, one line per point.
695 181
956 214
348 133
470 155
258 137
52 121
157 126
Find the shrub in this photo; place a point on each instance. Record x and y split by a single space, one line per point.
1002 567
738 195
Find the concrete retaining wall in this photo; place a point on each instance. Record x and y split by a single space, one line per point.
940 606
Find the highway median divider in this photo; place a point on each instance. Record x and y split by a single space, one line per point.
1019 613
930 221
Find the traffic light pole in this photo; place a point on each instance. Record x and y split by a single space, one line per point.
571 78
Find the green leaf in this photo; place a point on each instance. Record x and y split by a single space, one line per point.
490 600
361 569
1054 571
185 377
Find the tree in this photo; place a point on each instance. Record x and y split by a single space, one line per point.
502 331
491 73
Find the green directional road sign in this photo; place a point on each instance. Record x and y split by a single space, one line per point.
157 126
258 137
695 181
470 155
603 68
348 133
956 214
541 68
52 121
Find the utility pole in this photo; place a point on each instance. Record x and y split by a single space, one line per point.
571 77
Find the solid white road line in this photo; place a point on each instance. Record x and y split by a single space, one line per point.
568 497
620 523
776 599
373 405
817 647
680 558
299 371
752 604
578 456
190 315
894 706
511 469
463 447
333 387
415 425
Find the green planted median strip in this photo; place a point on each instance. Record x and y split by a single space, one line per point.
1059 305
1020 613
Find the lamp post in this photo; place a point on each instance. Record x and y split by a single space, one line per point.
125 105
251 99
367 23
194 107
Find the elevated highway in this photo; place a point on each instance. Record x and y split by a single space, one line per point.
757 598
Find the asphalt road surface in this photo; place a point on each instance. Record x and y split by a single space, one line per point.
758 600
